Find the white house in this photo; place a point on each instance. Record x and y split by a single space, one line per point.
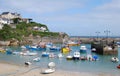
43 29
1 25
10 15
5 21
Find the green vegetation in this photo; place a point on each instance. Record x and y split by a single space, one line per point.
24 30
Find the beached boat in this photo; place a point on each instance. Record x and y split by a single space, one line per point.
36 59
28 63
76 55
51 68
114 59
83 49
48 71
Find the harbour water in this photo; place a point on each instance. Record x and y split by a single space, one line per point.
103 65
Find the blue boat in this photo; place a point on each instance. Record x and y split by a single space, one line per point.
83 49
45 54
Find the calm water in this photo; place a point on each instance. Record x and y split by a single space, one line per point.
104 65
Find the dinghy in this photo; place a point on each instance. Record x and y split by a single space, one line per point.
114 59
48 71
36 59
51 68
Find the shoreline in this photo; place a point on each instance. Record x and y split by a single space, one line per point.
18 70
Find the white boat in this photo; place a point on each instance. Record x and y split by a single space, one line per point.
89 57
52 55
93 50
51 68
23 47
51 65
69 57
48 71
28 53
28 63
76 55
60 55
73 43
36 59
114 59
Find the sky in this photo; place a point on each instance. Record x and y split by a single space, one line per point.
74 17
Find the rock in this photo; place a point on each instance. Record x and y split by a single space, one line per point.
4 43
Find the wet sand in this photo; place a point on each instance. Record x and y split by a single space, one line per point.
16 70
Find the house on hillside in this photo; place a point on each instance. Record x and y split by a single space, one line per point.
14 16
42 29
26 20
10 15
4 21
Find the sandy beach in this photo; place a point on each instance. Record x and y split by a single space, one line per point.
16 70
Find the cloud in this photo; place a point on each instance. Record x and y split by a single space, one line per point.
41 6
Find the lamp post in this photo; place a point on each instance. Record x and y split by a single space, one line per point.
97 33
107 35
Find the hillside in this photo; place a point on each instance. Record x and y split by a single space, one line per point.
25 30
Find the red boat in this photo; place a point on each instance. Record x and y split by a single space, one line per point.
118 66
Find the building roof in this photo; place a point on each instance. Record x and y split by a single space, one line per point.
5 13
11 13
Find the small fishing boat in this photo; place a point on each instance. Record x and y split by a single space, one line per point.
52 55
93 50
95 58
118 66
16 53
66 50
2 50
69 57
8 52
83 49
83 58
45 54
76 55
89 57
60 55
54 48
73 43
28 53
114 59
